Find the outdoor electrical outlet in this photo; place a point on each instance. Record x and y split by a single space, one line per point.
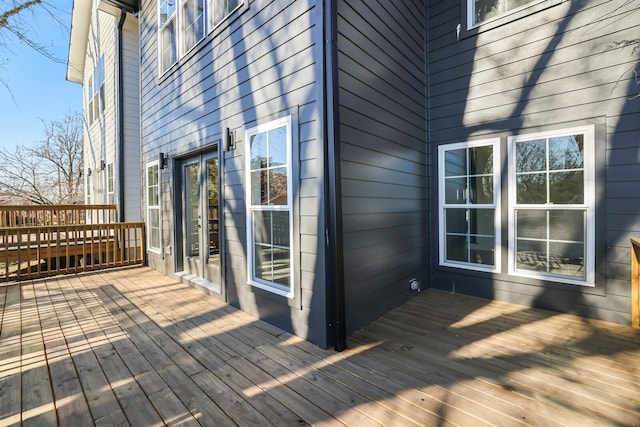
414 284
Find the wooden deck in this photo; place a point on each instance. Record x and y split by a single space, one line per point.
133 347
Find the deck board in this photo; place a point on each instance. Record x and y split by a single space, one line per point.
133 347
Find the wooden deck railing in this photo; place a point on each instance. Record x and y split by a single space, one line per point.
39 215
635 283
39 251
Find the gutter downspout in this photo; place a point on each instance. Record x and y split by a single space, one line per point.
333 179
121 198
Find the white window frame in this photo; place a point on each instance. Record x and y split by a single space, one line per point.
153 208
184 49
171 19
276 288
588 205
471 9
442 205
96 92
110 184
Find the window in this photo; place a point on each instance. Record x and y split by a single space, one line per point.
269 201
485 10
153 206
110 186
95 92
220 9
551 205
469 198
184 26
192 26
168 47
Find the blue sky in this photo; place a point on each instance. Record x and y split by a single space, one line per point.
39 87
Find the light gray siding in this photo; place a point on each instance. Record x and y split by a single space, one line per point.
382 109
131 95
556 68
262 64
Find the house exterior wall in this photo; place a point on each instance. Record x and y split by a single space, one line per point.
553 65
260 64
382 109
101 133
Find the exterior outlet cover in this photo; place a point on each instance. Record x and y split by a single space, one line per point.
414 284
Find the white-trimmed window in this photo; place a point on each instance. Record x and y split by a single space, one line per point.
469 201
95 92
110 184
269 202
181 27
484 10
220 9
153 207
191 23
551 205
168 34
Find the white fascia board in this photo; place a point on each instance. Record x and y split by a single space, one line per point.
78 39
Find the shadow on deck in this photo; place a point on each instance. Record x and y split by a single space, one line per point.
131 346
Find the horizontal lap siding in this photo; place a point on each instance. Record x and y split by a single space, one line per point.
552 69
262 65
381 63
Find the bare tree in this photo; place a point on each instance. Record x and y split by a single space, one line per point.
51 171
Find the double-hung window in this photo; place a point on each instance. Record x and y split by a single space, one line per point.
153 206
220 9
551 205
192 23
95 92
269 202
168 34
469 201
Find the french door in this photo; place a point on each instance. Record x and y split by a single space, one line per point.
201 220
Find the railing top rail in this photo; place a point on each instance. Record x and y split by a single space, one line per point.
56 207
66 227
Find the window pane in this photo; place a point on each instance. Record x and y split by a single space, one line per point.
259 194
531 188
258 144
455 162
482 251
278 186
481 190
531 224
566 152
262 227
280 228
531 156
481 160
567 225
457 249
169 51
263 262
281 266
566 258
566 187
482 222
278 147
456 221
192 23
221 8
167 8
487 9
455 190
531 255
154 225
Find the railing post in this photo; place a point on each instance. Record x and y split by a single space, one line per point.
635 283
